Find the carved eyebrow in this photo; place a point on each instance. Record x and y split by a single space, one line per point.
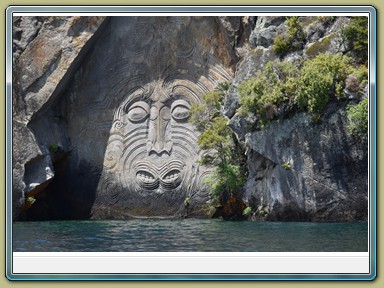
135 97
181 97
182 102
186 92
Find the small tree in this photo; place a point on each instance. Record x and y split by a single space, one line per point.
356 37
322 78
292 40
358 118
262 94
224 152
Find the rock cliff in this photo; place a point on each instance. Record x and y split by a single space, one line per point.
46 51
301 169
100 120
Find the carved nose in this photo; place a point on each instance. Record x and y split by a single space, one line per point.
159 135
160 148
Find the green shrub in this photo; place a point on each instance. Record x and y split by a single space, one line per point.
225 153
358 79
53 148
295 30
326 20
260 95
321 79
187 202
201 114
356 37
247 211
281 45
226 179
362 75
292 40
358 119
311 86
286 165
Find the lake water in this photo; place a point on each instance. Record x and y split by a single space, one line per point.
197 235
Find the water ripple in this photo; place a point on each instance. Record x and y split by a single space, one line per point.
186 235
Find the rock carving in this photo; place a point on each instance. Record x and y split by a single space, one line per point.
151 159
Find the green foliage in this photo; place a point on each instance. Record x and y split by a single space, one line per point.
295 29
226 179
361 74
31 200
53 148
224 152
247 211
321 79
257 51
277 83
356 36
311 86
292 40
286 165
326 20
358 118
217 136
281 45
209 119
202 114
223 86
187 202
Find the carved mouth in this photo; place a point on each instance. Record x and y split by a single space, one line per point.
171 176
147 180
171 179
145 177
167 176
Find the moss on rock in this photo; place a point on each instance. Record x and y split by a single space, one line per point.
320 46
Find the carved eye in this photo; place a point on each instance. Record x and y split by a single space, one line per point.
180 110
138 112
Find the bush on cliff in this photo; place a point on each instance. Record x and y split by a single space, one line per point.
292 40
223 151
322 79
356 38
358 118
272 86
309 85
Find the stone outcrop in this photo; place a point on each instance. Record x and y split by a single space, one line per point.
300 169
46 50
306 170
100 120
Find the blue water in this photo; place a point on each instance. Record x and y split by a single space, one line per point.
189 235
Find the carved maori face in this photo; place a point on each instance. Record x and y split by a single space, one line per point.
162 145
152 150
132 98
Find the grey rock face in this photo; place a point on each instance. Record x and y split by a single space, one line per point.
25 30
44 51
300 170
267 28
124 120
